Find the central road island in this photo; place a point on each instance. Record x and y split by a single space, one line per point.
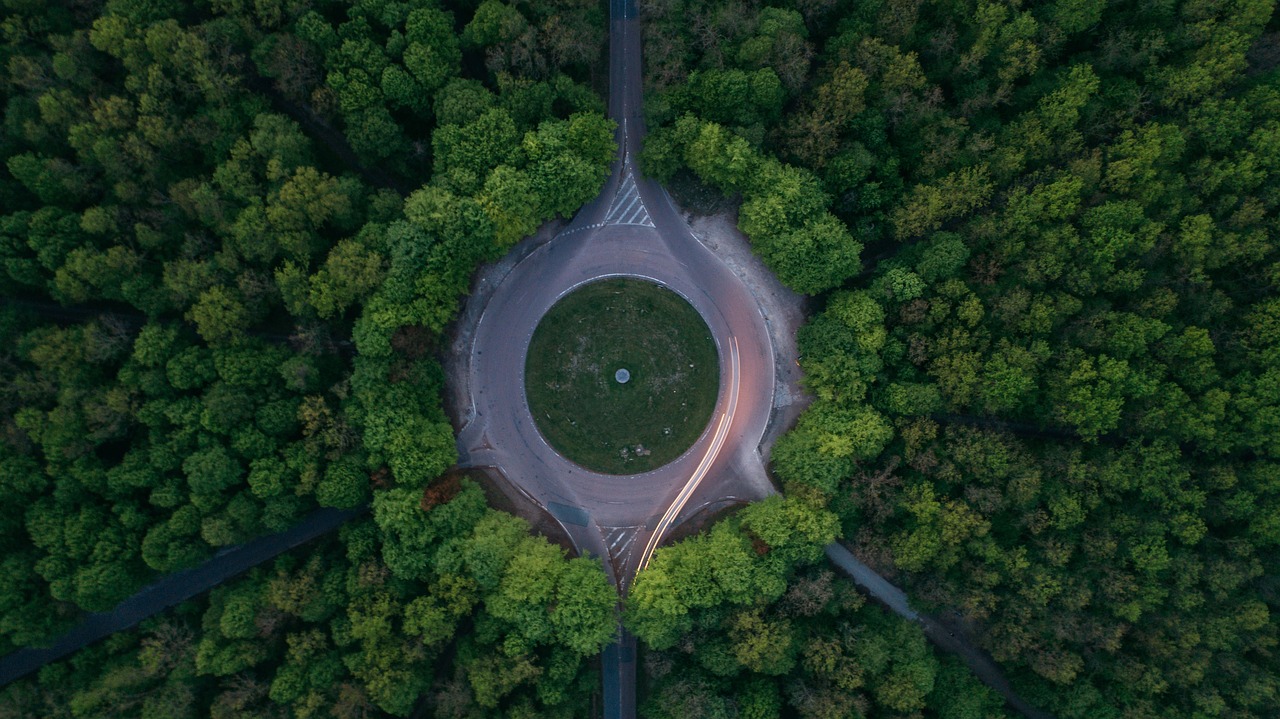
632 229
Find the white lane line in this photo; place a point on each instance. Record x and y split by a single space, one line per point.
621 211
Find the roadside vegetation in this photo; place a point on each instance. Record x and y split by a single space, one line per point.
1045 355
231 235
329 631
622 427
747 621
1041 238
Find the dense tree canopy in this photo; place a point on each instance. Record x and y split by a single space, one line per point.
741 623
1044 353
335 631
231 234
1045 395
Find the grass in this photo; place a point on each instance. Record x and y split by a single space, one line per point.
622 428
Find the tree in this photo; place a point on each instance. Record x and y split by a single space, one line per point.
345 483
721 158
350 273
929 206
508 198
816 257
462 101
433 54
408 539
568 160
494 23
220 315
583 614
471 151
173 544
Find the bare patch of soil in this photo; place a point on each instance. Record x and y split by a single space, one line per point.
505 497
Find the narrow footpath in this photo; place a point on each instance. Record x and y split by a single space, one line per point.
619 658
174 589
978 661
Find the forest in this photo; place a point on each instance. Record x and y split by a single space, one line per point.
1039 241
232 236
1044 349
745 621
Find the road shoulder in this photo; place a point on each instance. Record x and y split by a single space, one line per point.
784 311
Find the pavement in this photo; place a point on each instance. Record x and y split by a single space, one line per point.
632 229
173 589
618 666
874 584
941 634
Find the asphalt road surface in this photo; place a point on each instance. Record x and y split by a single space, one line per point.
718 437
173 589
942 636
631 229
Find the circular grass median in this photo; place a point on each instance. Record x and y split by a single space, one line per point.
571 376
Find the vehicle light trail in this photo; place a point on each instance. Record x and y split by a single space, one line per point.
708 459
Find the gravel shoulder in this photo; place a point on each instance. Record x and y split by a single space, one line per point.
784 312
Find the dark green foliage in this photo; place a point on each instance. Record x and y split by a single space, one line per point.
332 631
808 647
741 562
146 439
189 243
784 208
1051 402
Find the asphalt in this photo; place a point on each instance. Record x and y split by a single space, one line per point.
173 589
618 666
941 634
874 584
631 229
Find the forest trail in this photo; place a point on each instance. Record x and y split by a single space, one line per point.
941 636
174 589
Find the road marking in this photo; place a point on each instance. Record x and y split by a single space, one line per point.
627 207
713 451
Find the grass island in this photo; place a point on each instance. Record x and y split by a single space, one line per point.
572 376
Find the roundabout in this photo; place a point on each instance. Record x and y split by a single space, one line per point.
631 230
621 376
618 517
